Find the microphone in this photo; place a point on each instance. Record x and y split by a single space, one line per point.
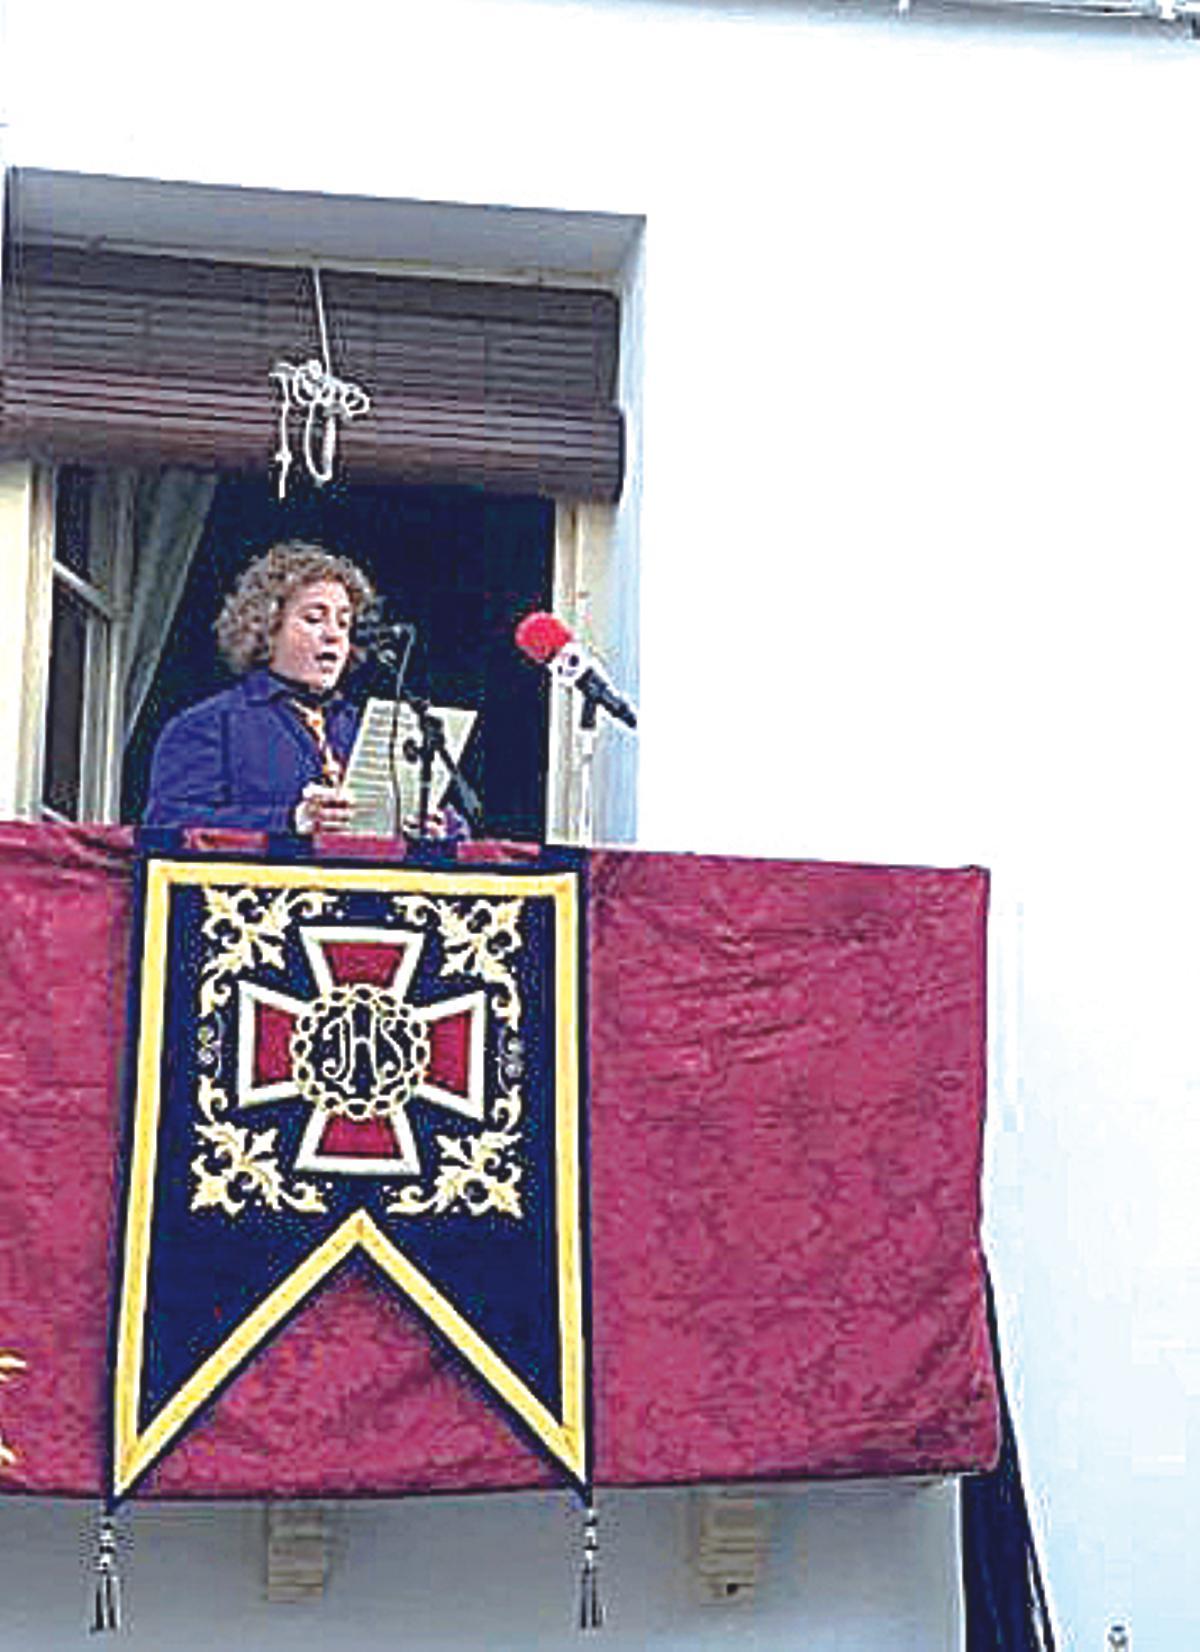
547 641
388 641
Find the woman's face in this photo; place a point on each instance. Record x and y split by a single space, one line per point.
312 643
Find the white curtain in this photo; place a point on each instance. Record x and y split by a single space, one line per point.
170 510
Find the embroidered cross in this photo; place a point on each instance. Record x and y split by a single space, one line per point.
360 1053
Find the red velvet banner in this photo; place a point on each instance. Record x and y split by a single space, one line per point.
787 1086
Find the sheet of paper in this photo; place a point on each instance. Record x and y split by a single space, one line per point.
388 742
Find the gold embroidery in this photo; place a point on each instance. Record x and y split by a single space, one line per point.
477 937
354 1038
10 1364
238 1161
476 1173
250 929
236 1166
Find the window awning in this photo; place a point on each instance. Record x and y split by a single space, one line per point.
138 358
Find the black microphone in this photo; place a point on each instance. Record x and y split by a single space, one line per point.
388 641
546 640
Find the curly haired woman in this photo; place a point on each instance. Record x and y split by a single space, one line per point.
270 753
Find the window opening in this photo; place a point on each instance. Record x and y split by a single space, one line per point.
89 570
463 564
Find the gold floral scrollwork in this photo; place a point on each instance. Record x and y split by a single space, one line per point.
250 930
10 1364
238 1166
475 1172
478 938
479 1173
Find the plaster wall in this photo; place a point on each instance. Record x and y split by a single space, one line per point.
864 1568
917 548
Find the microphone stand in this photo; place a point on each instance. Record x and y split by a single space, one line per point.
584 824
431 744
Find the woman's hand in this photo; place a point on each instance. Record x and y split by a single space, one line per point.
442 824
435 825
324 809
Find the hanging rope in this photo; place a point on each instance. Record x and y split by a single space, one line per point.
312 389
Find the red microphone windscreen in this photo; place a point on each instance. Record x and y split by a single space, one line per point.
541 636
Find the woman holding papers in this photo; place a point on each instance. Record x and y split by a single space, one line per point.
270 753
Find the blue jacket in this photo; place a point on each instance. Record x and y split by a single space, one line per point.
241 758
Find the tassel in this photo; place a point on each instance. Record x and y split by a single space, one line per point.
591 1613
106 1601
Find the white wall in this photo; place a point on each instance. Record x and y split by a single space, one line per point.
919 413
494 1572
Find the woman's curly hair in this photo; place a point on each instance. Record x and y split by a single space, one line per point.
253 611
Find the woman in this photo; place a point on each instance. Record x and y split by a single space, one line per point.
270 753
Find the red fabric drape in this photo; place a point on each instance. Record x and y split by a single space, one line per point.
787 1086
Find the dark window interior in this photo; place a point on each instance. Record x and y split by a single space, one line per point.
462 564
64 711
72 511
